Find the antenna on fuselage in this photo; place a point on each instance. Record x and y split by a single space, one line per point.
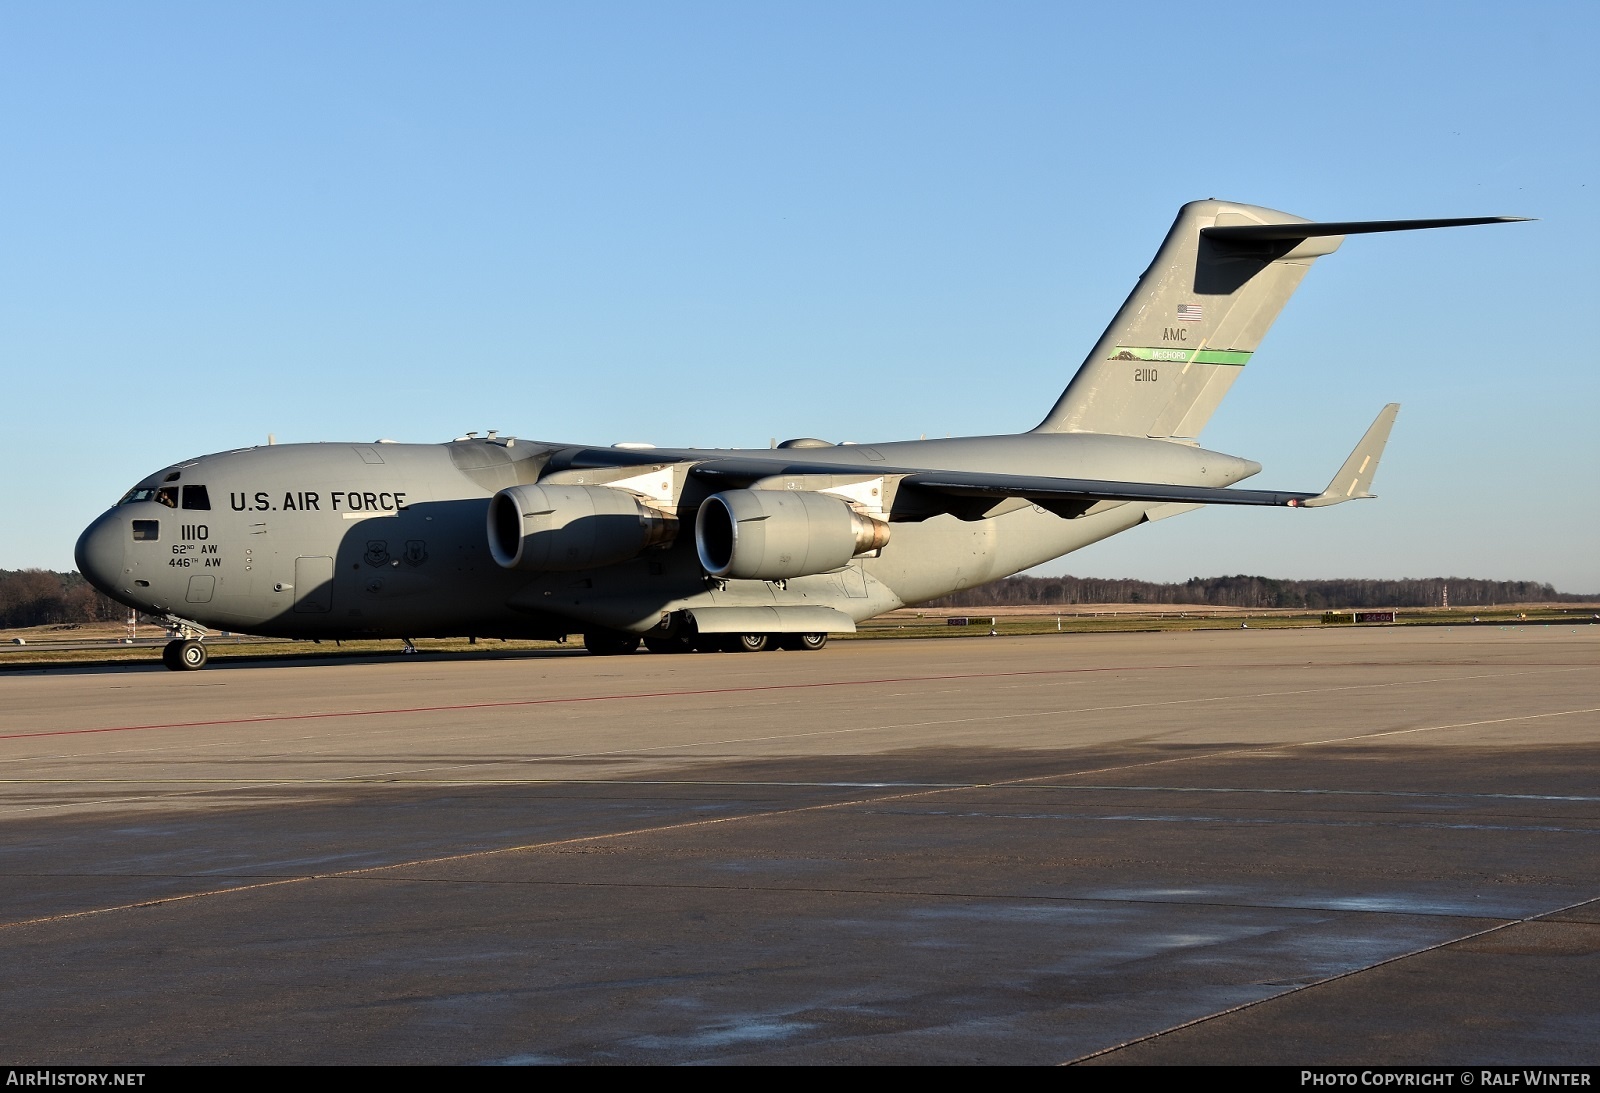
271 439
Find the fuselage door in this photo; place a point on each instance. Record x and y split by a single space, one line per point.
313 584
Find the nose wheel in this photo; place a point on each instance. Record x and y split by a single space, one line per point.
185 656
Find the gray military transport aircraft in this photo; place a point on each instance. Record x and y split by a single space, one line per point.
692 549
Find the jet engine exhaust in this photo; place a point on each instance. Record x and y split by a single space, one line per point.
545 528
770 535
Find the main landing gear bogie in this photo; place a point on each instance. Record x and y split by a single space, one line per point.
185 655
755 643
610 643
670 643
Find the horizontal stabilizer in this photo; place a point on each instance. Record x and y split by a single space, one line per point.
1268 233
1354 479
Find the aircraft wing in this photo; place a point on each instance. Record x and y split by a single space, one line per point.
970 495
1352 482
955 490
742 472
969 484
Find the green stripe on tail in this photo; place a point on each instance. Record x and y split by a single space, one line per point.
1236 357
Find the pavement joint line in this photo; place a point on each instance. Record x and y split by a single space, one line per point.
1329 979
582 699
718 820
1268 748
908 893
1338 792
1281 819
415 863
469 783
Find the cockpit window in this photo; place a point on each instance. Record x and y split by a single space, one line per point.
194 497
147 530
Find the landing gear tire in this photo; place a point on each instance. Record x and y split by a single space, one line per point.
749 643
804 642
185 656
674 644
610 643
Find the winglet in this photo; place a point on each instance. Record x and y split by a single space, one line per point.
1355 477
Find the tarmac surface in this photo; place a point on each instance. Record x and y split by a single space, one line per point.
1319 846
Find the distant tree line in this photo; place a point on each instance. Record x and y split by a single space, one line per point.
41 597
1243 591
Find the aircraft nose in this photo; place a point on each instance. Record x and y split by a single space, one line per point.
99 552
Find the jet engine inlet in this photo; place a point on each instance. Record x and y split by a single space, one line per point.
771 535
544 528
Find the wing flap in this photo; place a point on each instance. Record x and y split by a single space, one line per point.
1048 492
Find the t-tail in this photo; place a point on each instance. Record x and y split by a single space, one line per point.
1197 315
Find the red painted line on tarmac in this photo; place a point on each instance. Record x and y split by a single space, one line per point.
589 698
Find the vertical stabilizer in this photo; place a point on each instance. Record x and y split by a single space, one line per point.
1189 326
1197 314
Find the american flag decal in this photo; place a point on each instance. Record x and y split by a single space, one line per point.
1189 313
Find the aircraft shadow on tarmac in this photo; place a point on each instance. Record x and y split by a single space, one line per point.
927 904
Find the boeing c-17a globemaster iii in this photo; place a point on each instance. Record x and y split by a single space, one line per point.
693 549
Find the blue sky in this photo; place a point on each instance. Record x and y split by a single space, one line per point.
713 224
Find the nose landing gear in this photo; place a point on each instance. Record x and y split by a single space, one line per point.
186 652
185 655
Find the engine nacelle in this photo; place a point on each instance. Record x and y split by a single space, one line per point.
771 535
543 528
